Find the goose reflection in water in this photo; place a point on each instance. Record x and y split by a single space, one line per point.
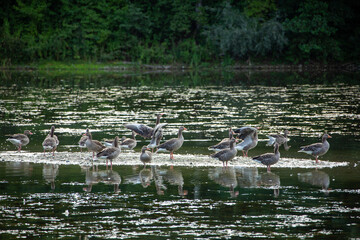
316 178
225 177
50 171
270 180
19 169
174 177
145 176
250 178
108 177
247 177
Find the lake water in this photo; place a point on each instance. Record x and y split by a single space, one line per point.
63 198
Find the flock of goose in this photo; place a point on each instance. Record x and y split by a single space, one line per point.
225 150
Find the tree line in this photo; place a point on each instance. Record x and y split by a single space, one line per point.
180 31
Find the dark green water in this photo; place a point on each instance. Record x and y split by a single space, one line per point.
51 201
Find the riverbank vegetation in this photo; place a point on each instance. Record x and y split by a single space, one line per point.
175 32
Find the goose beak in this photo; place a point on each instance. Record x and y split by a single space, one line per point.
329 136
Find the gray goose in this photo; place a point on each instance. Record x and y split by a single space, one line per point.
51 141
225 143
110 153
82 141
227 154
157 135
278 138
128 143
249 136
20 139
172 144
269 159
145 156
93 145
317 149
144 130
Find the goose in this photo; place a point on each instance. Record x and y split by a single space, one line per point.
110 153
317 149
82 142
51 141
128 143
144 130
227 154
93 145
20 139
269 159
157 135
145 156
278 138
225 143
172 144
249 136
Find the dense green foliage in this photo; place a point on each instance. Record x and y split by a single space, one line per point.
179 31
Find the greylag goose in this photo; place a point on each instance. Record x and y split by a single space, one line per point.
226 154
20 139
110 143
51 141
110 153
225 143
143 130
145 156
172 144
128 143
269 159
82 142
278 138
317 149
249 136
93 145
157 135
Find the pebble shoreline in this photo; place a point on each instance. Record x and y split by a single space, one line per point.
162 159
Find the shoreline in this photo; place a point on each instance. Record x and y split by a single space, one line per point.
181 160
133 66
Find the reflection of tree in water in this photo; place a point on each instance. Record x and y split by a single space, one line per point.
50 171
174 177
315 178
225 177
108 177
